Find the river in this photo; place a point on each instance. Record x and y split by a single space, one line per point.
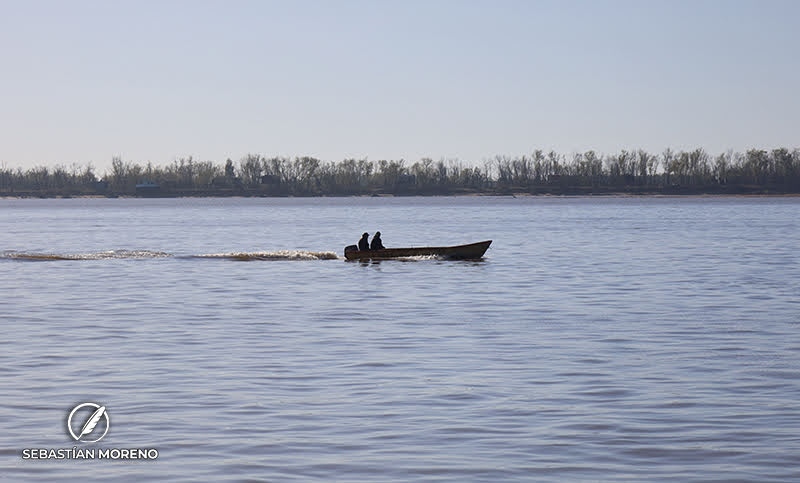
600 339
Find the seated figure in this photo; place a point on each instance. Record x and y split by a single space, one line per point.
376 242
363 243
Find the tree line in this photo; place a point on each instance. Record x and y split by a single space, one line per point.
635 171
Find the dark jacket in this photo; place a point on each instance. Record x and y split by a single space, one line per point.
363 243
376 243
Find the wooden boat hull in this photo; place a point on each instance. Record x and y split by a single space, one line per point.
459 252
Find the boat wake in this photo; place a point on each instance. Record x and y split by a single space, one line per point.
105 255
147 254
419 258
277 255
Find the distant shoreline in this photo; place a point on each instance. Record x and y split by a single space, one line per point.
628 173
617 194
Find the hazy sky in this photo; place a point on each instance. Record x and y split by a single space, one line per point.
153 81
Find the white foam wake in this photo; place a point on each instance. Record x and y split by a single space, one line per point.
276 255
104 255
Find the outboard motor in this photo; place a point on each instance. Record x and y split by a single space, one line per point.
350 248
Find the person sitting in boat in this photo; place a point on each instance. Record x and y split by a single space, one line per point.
363 243
376 242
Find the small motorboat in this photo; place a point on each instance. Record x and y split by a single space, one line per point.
470 251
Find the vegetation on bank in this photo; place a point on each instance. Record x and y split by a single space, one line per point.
670 172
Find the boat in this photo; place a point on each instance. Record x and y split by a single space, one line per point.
470 251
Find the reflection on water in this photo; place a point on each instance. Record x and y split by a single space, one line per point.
421 258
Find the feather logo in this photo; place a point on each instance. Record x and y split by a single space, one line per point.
91 423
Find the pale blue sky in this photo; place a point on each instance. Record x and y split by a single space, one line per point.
153 81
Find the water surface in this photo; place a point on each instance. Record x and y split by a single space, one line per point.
649 339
